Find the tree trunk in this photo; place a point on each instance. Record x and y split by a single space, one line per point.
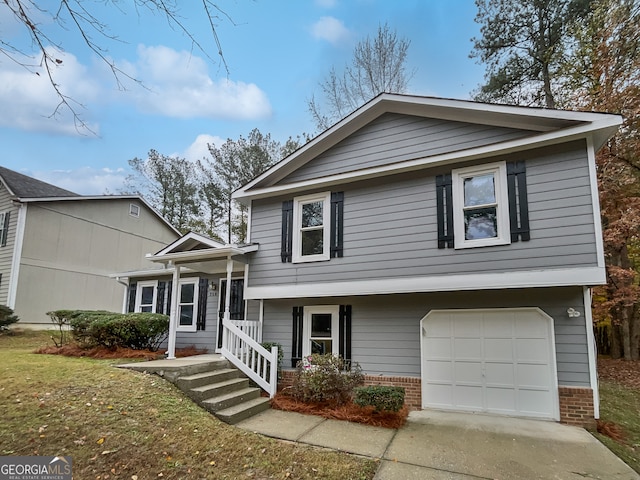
616 344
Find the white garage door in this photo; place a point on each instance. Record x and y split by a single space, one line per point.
495 361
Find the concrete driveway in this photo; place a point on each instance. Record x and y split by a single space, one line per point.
456 446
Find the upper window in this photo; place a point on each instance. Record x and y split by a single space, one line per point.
480 206
4 228
188 305
311 230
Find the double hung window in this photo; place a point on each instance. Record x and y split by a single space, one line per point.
480 206
146 297
311 232
188 305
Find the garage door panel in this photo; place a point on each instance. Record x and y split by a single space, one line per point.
498 349
468 373
467 349
440 327
499 361
467 396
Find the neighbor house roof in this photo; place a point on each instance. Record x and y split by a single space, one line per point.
23 186
27 189
543 127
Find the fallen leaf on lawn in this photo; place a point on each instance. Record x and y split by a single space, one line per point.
107 452
100 441
212 462
161 474
109 407
134 477
42 428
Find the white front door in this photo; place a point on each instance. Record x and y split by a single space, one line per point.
498 361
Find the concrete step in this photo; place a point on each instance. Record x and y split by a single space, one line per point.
218 389
227 400
244 410
206 378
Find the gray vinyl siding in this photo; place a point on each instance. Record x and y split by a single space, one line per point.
6 252
390 228
386 328
395 138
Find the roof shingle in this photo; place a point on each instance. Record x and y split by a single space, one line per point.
23 186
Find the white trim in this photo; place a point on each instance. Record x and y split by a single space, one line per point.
436 283
334 311
195 281
248 239
139 287
227 298
187 237
458 176
298 202
553 369
595 200
592 352
173 312
17 256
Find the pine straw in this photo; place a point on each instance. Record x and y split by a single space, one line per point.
349 412
612 430
74 350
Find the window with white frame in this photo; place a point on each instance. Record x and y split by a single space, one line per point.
4 228
480 206
320 330
311 231
146 296
188 305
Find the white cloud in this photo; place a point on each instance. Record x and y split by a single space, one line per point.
199 148
178 85
28 99
330 29
85 180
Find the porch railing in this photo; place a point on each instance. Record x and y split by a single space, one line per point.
243 350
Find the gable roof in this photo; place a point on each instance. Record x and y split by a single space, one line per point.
543 127
27 189
23 186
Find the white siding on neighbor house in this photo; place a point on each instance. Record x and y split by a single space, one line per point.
6 252
71 248
390 228
395 138
386 328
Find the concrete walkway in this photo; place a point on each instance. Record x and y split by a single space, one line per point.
456 446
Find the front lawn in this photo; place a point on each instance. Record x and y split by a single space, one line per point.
121 424
620 409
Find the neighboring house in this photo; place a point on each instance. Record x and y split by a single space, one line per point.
446 246
57 248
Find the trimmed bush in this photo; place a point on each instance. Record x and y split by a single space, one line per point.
7 317
382 398
326 378
139 331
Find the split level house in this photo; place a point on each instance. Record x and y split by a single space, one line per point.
446 246
58 248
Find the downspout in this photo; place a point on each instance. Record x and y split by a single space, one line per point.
125 297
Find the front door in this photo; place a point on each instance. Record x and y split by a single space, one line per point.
236 305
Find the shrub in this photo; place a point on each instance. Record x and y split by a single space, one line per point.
380 397
139 331
7 317
326 378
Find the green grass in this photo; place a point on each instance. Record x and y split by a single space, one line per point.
621 405
121 424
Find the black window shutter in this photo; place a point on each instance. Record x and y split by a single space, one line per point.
203 291
160 299
132 297
444 210
296 344
5 229
287 231
337 208
344 333
518 206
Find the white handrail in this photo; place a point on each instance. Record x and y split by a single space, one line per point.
259 364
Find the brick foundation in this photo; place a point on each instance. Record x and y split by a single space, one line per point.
576 403
576 406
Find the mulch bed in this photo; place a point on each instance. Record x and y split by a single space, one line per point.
73 350
349 412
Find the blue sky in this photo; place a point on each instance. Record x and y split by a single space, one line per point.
277 52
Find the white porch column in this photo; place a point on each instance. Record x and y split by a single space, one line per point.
173 315
227 299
